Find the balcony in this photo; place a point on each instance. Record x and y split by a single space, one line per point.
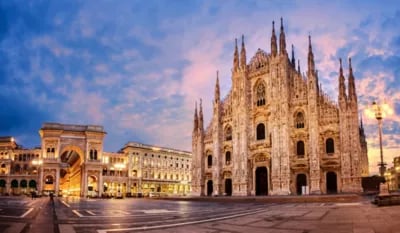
299 162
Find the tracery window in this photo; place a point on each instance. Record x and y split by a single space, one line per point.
330 146
260 131
300 149
228 134
299 121
260 94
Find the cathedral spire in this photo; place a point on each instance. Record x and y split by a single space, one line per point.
201 125
282 40
217 93
361 130
342 88
196 119
311 64
298 66
293 59
273 41
361 123
352 86
236 57
243 54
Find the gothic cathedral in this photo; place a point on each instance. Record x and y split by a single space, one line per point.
277 132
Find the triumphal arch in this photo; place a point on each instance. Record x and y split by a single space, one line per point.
71 158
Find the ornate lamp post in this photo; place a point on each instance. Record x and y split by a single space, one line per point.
378 115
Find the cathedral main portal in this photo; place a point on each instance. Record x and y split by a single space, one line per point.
261 181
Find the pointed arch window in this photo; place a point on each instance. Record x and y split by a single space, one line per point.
228 158
209 161
228 134
299 120
260 94
330 146
300 149
260 131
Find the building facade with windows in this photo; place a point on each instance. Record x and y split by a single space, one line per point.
71 161
392 175
277 132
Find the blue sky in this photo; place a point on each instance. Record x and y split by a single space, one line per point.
137 67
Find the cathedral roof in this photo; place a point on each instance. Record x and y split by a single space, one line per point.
260 59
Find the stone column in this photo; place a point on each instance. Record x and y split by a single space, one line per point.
100 183
85 183
57 181
40 185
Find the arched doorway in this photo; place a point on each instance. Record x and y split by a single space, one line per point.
209 188
23 184
14 186
49 184
32 184
70 174
331 182
2 186
261 181
92 186
228 187
301 180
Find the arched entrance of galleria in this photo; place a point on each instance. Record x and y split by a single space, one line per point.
71 162
71 173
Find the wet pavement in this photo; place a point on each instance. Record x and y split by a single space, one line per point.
299 215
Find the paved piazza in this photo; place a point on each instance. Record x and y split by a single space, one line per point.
82 215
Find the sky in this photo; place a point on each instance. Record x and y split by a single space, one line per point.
138 67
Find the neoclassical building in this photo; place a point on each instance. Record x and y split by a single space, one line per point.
71 161
277 132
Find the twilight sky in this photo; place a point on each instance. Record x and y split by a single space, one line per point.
137 67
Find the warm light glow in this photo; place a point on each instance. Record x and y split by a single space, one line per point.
369 113
119 165
379 111
37 162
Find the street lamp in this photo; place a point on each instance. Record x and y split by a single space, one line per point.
38 162
378 115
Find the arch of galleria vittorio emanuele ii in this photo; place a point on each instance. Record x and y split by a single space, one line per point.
71 162
277 132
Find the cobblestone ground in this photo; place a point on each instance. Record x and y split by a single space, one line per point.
306 218
270 215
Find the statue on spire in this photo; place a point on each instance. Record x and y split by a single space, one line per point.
217 92
342 88
282 40
236 57
243 54
293 61
196 119
311 64
352 86
274 48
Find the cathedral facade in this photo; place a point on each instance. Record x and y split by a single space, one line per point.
277 133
